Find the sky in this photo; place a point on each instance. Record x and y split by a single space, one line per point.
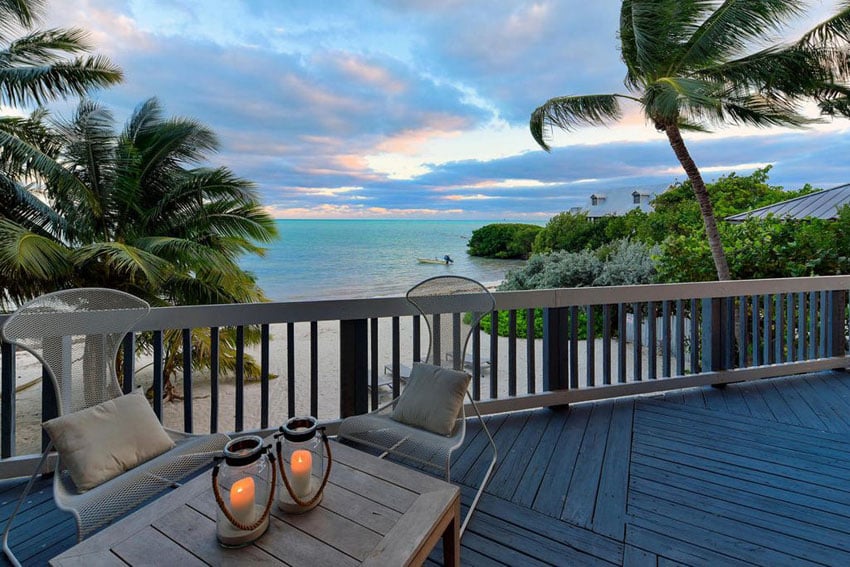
416 108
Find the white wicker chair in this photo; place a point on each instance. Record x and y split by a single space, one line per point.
76 335
443 302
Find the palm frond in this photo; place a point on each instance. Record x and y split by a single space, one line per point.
25 85
731 28
567 112
27 255
761 110
19 205
657 30
22 12
124 261
835 30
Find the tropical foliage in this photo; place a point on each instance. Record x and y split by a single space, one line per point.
691 65
503 240
43 65
130 210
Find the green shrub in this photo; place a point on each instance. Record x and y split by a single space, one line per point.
503 240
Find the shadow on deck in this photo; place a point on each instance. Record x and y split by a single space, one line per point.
754 473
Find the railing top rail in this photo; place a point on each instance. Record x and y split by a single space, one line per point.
347 309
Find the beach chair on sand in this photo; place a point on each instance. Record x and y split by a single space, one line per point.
427 422
112 452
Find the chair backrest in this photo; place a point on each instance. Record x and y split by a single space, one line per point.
452 307
76 335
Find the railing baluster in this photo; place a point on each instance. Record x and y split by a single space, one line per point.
665 339
801 326
128 363
214 363
290 369
314 368
476 362
680 337
494 355
7 400
512 352
824 310
264 375
651 341
240 378
766 350
187 381
756 332
157 373
530 331
574 347
729 332
417 340
396 353
606 343
373 362
621 343
778 336
813 313
789 328
590 348
637 348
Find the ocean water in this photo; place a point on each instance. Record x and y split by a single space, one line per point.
346 259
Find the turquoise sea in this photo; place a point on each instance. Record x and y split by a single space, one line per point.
336 259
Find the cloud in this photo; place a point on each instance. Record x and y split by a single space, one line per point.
398 109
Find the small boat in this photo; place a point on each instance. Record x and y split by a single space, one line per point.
444 261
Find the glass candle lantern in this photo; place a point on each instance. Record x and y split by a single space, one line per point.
304 461
243 482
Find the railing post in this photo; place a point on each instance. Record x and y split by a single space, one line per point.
714 331
7 409
835 340
353 362
555 348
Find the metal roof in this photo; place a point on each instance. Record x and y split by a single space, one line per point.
820 205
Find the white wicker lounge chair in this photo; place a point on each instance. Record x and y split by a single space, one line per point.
443 302
76 335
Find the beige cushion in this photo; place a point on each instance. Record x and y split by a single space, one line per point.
432 398
101 442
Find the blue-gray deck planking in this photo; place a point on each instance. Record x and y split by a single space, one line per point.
751 474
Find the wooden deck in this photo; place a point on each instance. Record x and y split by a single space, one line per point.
752 474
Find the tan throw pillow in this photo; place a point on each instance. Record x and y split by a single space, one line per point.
432 398
103 441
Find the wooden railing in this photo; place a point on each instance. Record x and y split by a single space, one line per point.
678 336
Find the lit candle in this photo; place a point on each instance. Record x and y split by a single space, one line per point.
242 500
301 466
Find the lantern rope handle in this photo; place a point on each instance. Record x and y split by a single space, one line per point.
226 510
305 503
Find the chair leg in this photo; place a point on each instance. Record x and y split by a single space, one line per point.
487 474
7 551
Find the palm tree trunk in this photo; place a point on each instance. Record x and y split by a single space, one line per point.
701 194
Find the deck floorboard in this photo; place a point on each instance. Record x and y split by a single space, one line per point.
751 474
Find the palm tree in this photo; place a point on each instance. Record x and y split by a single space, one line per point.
689 65
127 210
43 65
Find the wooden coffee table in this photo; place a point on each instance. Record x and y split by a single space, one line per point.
374 512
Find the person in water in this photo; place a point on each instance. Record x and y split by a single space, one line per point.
448 259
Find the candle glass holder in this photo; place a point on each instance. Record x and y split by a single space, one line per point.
304 461
243 481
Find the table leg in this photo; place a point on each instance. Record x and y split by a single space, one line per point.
451 539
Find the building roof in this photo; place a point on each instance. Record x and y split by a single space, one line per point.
820 205
619 201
